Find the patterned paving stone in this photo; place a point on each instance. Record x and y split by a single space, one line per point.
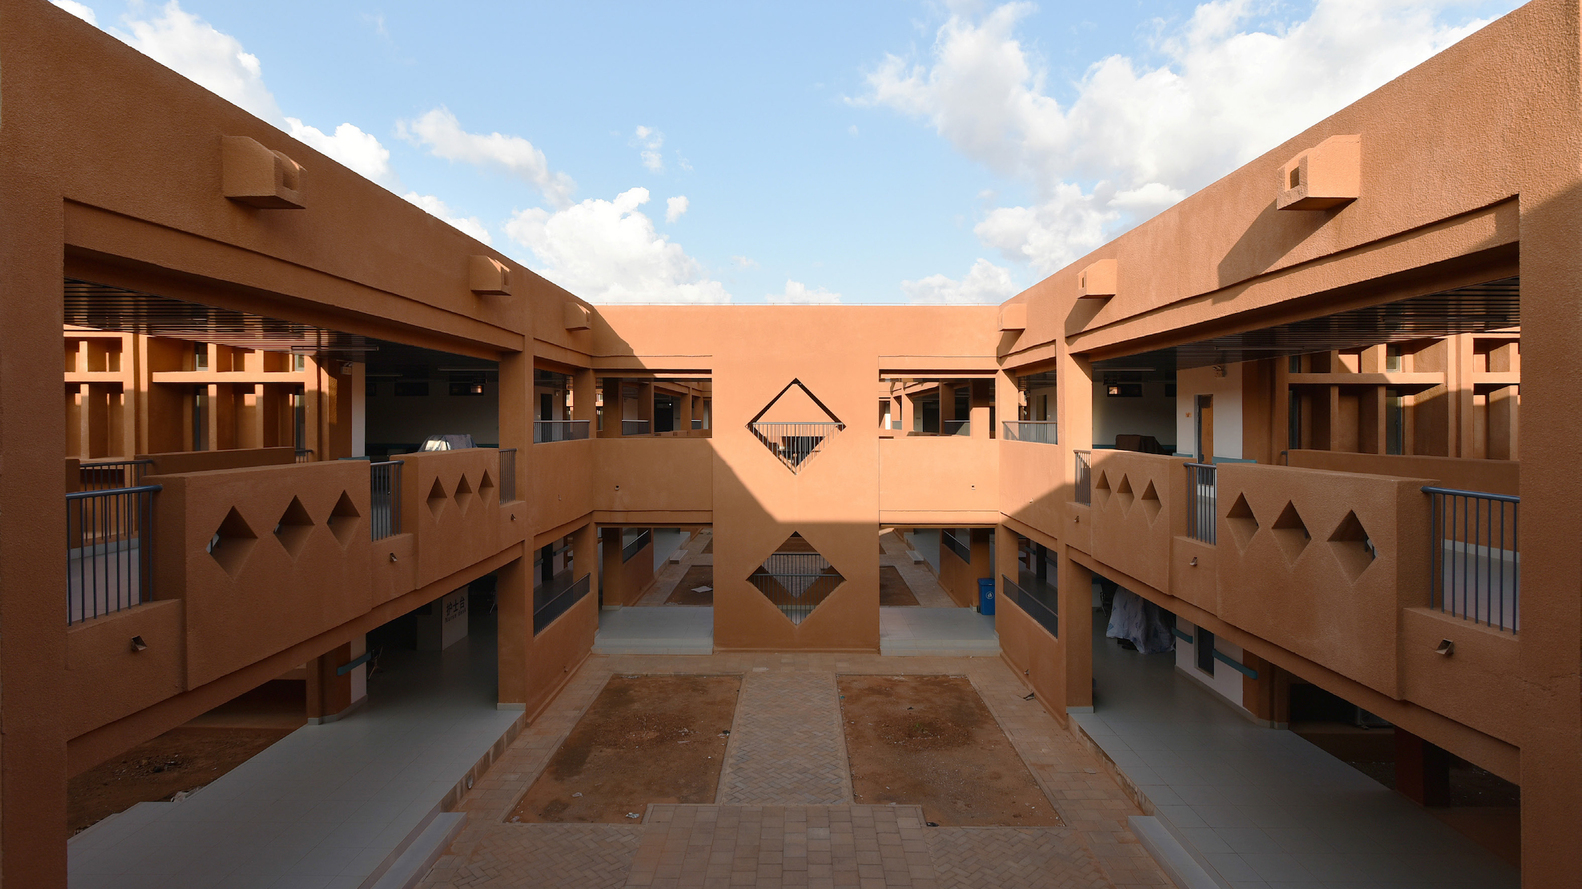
1011 858
786 746
548 856
770 847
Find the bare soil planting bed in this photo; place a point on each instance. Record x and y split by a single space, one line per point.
696 576
931 741
645 739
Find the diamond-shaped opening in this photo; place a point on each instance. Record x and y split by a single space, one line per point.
464 493
796 578
344 519
294 527
1101 489
1123 493
794 425
485 486
437 498
231 542
1290 532
1150 502
1353 546
1243 524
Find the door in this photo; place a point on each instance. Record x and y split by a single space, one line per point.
1205 429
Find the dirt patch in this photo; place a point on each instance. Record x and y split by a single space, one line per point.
183 758
931 741
685 591
645 739
893 590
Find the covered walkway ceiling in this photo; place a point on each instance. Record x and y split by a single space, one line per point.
1479 308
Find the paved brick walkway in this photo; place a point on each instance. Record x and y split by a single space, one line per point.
734 844
786 747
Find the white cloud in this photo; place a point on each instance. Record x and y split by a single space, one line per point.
609 252
192 47
675 207
440 132
651 140
1137 138
77 9
469 225
798 294
744 262
984 283
350 146
852 130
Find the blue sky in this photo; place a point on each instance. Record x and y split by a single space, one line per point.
863 152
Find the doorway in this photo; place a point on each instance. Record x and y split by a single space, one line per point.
1204 409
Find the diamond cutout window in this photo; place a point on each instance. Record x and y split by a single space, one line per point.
232 541
1353 546
464 494
1101 489
294 527
795 425
1149 502
437 498
796 578
1243 524
344 519
1123 493
1290 532
486 486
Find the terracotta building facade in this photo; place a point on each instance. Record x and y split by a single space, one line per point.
1270 411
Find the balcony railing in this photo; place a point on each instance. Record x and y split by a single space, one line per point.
1046 614
552 600
794 443
1476 570
109 550
1202 497
1084 479
962 549
304 455
795 582
634 427
563 430
385 487
630 551
1041 431
955 427
508 471
111 474
697 423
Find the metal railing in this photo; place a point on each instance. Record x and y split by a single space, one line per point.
385 486
795 583
558 603
304 455
109 550
1202 499
1476 570
962 550
634 427
508 474
794 443
955 427
630 551
1045 614
108 475
1041 431
697 423
1084 478
561 430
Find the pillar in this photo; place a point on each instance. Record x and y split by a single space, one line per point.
514 607
947 408
645 405
1422 770
585 559
614 408
908 412
982 408
614 592
1076 632
331 693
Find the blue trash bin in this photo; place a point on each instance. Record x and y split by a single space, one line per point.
985 595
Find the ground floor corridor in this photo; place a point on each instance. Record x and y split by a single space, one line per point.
325 807
1262 808
785 812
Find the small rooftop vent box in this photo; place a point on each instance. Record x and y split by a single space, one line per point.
1013 316
487 276
1097 281
254 175
1324 177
